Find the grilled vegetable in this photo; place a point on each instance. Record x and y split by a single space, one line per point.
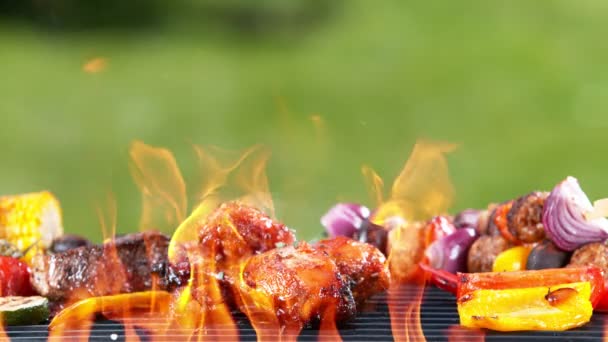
470 282
14 278
449 253
30 221
513 259
564 217
113 306
23 310
557 307
546 255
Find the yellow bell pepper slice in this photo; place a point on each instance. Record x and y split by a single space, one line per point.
512 259
559 307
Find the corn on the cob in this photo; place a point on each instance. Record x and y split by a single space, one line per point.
30 221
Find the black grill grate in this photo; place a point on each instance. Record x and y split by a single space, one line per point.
438 313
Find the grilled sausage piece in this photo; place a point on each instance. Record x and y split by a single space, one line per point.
362 264
525 219
484 251
592 254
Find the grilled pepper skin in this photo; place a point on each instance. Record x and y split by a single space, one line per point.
559 307
469 282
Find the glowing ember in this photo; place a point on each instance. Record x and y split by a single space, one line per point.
95 65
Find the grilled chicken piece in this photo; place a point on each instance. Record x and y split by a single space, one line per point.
236 231
134 262
228 237
362 264
293 286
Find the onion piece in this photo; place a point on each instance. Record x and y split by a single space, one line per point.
450 252
345 219
564 217
467 218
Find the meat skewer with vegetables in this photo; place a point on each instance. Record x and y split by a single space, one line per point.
539 232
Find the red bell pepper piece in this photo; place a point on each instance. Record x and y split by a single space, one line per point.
463 283
442 279
14 277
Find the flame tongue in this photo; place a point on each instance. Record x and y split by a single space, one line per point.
423 189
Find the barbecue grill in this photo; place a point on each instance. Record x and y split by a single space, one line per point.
438 314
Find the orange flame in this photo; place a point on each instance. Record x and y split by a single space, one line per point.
164 201
228 175
3 335
421 190
95 65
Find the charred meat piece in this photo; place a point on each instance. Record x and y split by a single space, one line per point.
134 262
362 264
67 242
236 231
484 251
525 219
406 248
294 286
592 254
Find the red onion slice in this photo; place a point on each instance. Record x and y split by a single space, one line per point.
450 252
564 217
344 219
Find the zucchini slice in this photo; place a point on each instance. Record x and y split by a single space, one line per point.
23 310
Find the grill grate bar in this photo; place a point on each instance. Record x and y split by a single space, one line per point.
438 314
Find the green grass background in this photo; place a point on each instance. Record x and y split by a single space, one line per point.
522 86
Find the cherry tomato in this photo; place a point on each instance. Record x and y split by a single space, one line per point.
14 278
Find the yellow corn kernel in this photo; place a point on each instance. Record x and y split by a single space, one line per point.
30 221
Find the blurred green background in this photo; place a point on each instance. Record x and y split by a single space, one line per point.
521 85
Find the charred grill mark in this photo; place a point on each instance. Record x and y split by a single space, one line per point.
560 296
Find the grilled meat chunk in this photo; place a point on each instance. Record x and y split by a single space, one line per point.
406 248
362 264
228 237
294 286
236 231
525 219
592 254
134 262
484 251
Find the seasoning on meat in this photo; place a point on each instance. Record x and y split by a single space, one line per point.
235 231
295 285
362 264
134 262
592 254
484 251
525 219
